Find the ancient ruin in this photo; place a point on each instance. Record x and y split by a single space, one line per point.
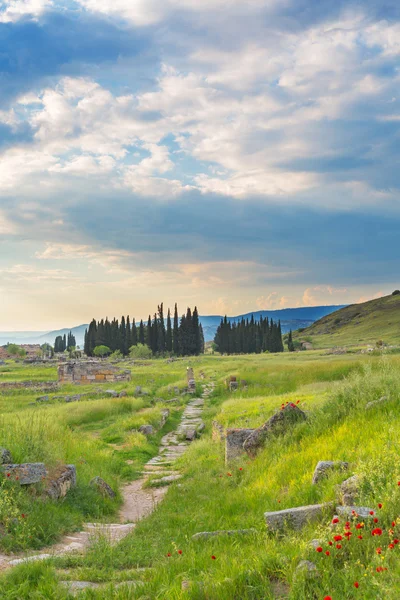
91 372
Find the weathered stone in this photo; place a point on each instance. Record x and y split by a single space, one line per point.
295 518
122 394
306 569
112 393
102 487
218 431
26 473
376 403
190 435
234 440
348 511
5 456
315 543
349 490
64 480
278 424
81 371
233 386
147 429
138 390
43 399
324 466
229 532
164 417
165 480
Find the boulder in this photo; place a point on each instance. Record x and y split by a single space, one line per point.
112 393
234 440
278 424
102 487
230 532
64 480
349 490
43 399
190 435
348 511
325 466
122 394
26 473
296 518
146 429
138 390
233 386
5 456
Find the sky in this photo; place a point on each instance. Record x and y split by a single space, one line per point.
234 155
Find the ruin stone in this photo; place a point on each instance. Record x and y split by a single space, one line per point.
164 417
278 424
43 399
146 429
233 386
234 440
306 569
295 518
5 456
138 390
102 487
218 432
26 473
190 435
90 372
349 490
64 480
348 511
112 393
325 466
190 380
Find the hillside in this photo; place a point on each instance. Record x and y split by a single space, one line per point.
358 324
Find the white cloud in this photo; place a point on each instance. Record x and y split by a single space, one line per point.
14 10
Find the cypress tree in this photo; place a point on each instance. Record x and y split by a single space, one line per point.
168 335
175 337
134 333
160 329
142 339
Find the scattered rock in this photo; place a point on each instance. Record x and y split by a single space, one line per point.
147 429
295 518
307 569
233 386
112 393
5 456
361 511
34 557
74 587
43 399
65 480
315 543
349 490
165 480
102 487
138 390
208 534
26 473
190 435
164 417
278 424
234 441
122 394
376 403
324 466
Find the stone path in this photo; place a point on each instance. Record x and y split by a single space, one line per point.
139 501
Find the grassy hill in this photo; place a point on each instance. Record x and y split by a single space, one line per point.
358 324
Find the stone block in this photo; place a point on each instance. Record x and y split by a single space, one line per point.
64 480
295 518
347 511
233 386
147 429
349 490
234 440
102 487
325 466
164 417
5 456
26 473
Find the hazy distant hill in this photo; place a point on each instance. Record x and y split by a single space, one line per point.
358 324
291 318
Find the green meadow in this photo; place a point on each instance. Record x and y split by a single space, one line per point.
98 435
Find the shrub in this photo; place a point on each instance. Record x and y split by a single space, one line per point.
140 351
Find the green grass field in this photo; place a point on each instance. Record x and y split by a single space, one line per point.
95 434
357 325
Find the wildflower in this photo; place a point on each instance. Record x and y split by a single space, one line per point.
338 538
298 402
377 531
327 553
360 537
391 546
169 554
319 549
371 512
17 478
393 523
328 598
8 474
338 546
335 520
359 525
356 584
379 550
380 505
229 474
213 557
376 520
395 541
330 543
348 534
240 469
23 516
179 551
347 525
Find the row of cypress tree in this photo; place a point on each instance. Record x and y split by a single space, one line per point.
63 343
249 336
181 337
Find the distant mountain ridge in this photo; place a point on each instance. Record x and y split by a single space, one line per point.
291 318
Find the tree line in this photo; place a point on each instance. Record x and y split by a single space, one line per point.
248 336
175 336
63 343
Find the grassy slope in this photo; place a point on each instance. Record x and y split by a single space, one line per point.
358 324
260 566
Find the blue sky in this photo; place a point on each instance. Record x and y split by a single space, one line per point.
237 155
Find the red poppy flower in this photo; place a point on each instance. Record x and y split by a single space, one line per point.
327 553
396 541
380 505
360 537
330 543
23 516
338 546
391 546
393 523
213 557
8 474
356 584
335 520
179 551
347 524
338 538
298 402
377 531
371 512
229 474
398 483
319 549
328 598
376 520
348 534
379 550
359 525
169 554
240 469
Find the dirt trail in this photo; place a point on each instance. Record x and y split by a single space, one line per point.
139 501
